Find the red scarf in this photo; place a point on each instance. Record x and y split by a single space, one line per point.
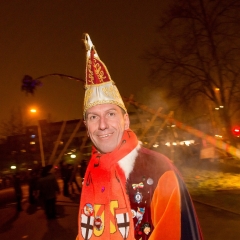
105 211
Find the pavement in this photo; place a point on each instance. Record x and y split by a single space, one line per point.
215 190
31 223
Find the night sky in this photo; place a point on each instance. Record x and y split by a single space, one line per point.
39 37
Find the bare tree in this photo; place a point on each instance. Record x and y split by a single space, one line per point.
15 125
198 56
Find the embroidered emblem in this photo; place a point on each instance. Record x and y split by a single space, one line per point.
88 209
86 226
99 219
136 186
138 197
112 216
123 224
139 215
98 224
146 228
150 181
133 213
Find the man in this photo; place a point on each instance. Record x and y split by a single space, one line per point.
18 190
48 188
129 192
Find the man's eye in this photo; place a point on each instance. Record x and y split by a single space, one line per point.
92 118
111 114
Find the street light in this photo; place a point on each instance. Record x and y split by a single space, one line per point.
33 110
73 156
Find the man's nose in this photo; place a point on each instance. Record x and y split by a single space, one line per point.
103 123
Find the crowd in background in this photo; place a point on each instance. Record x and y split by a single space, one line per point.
43 185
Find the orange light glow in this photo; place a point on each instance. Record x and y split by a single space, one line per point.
33 110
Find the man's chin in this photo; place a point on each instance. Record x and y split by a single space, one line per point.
106 149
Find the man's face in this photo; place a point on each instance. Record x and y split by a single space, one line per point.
105 125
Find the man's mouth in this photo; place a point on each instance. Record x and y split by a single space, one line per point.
105 135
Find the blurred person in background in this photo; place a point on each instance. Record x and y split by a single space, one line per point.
18 190
73 179
48 189
32 186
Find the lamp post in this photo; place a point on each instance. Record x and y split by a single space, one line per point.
33 110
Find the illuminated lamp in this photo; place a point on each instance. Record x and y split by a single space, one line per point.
236 131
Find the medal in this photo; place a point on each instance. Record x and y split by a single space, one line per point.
150 181
138 197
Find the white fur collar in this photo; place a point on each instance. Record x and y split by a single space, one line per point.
127 163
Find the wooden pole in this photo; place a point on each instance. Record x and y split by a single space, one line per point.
68 142
150 123
57 142
160 129
41 145
215 142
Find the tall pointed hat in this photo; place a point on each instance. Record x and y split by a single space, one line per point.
99 87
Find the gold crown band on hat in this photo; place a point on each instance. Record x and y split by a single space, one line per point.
100 89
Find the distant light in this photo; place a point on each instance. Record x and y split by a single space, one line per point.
33 110
155 145
13 167
236 131
29 169
216 108
169 144
187 142
32 143
33 136
173 125
73 156
221 106
217 89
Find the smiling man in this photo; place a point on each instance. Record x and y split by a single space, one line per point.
106 124
129 192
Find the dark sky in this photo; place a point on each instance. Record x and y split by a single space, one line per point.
39 37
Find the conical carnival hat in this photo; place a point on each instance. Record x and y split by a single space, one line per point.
99 87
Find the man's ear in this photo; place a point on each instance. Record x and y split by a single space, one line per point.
126 122
85 123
